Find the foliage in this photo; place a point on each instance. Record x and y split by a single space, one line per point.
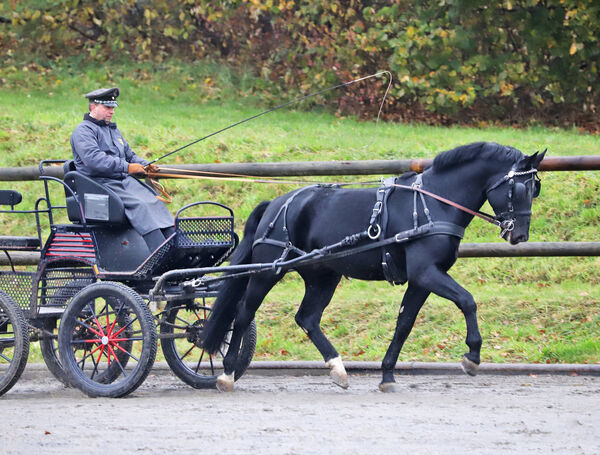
453 60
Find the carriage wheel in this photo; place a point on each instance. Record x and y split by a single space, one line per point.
49 350
107 340
14 342
180 340
49 343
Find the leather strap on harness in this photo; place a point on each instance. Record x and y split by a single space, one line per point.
378 228
379 220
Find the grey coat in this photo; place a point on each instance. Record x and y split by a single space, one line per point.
100 152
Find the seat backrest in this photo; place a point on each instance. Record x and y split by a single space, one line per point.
100 204
69 166
10 197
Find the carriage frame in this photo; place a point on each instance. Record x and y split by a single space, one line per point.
98 262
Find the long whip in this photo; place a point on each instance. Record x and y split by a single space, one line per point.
281 106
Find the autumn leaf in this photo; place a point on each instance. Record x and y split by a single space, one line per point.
573 48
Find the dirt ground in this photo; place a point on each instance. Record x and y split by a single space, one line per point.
429 414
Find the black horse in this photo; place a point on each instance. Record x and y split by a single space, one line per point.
428 212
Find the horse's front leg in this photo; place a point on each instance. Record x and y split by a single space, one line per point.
413 300
258 287
226 380
442 284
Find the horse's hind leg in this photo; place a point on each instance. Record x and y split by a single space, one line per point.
319 289
413 300
258 287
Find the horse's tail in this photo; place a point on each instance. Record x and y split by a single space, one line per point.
232 290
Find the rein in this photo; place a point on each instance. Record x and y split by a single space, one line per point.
503 223
482 215
211 175
208 175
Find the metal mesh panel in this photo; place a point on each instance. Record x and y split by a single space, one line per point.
19 286
154 260
206 231
58 285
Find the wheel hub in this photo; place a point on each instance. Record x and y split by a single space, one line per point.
193 332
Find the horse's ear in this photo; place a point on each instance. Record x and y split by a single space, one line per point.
537 159
525 162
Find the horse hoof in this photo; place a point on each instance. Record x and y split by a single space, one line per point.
225 383
388 387
469 367
340 379
338 372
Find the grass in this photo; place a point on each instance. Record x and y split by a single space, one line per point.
530 310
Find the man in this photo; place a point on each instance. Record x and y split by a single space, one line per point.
100 152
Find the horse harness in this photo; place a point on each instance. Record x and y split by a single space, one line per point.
377 228
379 221
376 232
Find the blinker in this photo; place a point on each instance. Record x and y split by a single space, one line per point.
537 186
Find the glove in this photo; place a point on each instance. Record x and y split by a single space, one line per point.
152 168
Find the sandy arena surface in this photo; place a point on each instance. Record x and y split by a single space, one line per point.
429 414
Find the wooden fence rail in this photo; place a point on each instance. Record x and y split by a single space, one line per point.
306 168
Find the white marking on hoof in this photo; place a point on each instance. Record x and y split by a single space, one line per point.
388 387
225 382
338 372
469 367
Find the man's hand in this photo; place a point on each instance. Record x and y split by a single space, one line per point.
151 168
136 168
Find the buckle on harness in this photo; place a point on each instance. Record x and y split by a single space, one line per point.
377 208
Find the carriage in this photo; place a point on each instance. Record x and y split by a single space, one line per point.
93 304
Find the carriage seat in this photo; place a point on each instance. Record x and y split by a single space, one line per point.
9 242
101 205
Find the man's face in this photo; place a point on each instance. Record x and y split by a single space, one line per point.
101 112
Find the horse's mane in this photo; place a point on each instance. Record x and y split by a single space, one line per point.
476 150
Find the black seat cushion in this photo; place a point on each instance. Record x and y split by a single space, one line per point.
10 197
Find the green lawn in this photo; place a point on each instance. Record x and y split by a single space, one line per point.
531 309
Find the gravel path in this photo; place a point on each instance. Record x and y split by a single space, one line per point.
430 414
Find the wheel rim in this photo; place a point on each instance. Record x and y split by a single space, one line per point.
49 344
14 343
7 342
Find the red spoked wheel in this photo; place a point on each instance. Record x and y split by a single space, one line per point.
107 340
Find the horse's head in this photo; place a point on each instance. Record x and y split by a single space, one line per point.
511 197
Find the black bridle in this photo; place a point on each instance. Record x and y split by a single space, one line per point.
506 220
